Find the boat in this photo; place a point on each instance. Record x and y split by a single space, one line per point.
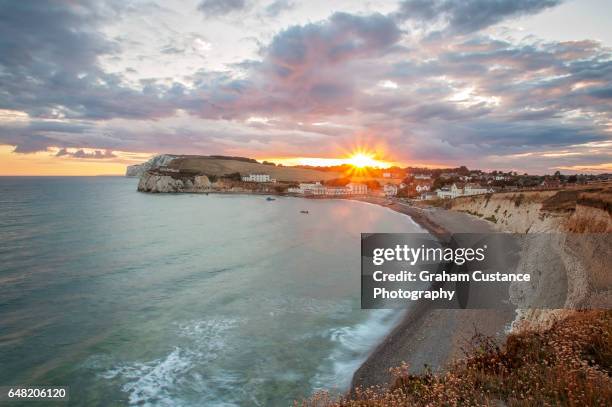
270 199
303 211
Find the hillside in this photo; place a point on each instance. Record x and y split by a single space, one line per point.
205 165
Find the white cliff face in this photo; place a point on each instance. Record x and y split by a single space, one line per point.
138 170
568 257
152 182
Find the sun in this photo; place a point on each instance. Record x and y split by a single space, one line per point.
362 160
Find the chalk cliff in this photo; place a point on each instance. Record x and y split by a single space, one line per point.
161 160
154 181
569 251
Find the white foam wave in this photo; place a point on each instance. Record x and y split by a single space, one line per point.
158 382
353 344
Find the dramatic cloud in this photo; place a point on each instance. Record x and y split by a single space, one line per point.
466 16
49 63
303 71
432 81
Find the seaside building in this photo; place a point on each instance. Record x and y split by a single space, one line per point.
317 188
390 189
334 191
456 190
448 192
475 189
423 187
257 178
357 189
308 188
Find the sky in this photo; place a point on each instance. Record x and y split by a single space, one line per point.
90 86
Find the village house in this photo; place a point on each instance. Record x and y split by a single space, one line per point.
422 186
257 178
390 190
449 192
449 175
357 189
308 188
475 189
317 188
456 190
336 191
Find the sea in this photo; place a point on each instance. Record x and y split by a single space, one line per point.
143 299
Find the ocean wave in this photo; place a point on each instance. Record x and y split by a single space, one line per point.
352 346
169 380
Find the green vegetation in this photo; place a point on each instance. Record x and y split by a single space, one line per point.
228 157
473 213
491 218
518 200
234 176
567 365
221 166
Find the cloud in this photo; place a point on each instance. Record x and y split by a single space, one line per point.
467 16
278 6
214 8
305 70
459 97
80 153
49 63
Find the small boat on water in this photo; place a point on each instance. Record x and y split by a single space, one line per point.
270 199
303 211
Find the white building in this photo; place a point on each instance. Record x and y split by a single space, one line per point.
357 189
454 191
317 188
422 176
390 190
449 192
334 191
308 188
475 189
423 187
257 178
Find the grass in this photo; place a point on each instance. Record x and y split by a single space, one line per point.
600 199
567 365
221 167
491 218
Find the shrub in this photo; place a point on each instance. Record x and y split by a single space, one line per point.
567 365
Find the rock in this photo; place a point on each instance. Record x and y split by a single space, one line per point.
156 182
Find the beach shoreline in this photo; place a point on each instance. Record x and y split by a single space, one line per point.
428 338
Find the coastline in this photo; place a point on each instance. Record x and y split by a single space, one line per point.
428 338
424 338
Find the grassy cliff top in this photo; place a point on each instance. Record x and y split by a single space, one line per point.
220 166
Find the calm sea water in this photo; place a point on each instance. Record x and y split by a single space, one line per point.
181 300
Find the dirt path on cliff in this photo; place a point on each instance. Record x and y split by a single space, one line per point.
426 336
